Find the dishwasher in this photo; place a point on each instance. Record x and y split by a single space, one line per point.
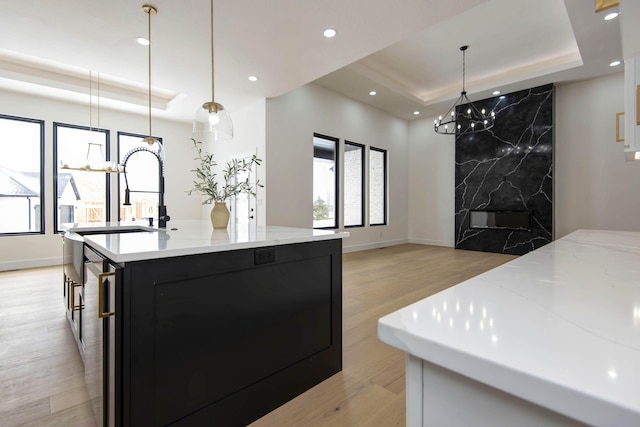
101 278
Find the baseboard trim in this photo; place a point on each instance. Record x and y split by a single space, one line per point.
375 245
446 243
29 263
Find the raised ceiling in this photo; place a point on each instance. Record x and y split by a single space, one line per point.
406 51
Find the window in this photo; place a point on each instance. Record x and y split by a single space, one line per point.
325 182
142 178
80 195
21 175
377 186
353 184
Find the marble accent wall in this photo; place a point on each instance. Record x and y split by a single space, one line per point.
508 168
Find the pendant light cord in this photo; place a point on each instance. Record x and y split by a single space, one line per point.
463 71
90 105
463 49
213 99
149 67
98 99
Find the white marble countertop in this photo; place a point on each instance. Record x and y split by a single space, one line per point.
189 237
559 326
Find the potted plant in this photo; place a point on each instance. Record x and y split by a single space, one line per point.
219 192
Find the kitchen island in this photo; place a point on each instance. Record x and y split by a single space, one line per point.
549 339
210 327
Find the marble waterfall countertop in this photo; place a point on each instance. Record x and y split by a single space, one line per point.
559 327
187 238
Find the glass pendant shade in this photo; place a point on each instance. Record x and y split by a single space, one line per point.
212 123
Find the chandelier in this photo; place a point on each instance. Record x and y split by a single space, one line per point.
464 117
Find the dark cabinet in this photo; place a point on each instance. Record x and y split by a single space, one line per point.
224 338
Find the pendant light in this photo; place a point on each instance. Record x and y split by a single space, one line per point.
152 144
95 150
464 117
149 144
94 159
212 121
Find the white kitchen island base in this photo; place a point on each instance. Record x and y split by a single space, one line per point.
435 393
551 338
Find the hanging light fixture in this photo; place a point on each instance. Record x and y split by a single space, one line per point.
94 160
95 154
464 117
149 144
152 144
212 121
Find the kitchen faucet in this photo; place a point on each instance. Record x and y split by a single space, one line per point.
162 209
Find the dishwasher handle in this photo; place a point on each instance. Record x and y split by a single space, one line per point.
101 279
95 263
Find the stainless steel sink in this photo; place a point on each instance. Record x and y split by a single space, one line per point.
113 231
73 248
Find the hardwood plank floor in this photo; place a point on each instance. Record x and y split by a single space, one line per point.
41 373
41 376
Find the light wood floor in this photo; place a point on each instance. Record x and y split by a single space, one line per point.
41 371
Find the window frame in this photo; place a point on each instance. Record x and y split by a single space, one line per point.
363 165
107 152
385 184
336 160
42 176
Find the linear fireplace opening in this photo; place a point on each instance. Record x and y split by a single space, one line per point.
501 220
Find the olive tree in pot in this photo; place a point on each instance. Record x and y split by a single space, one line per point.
218 192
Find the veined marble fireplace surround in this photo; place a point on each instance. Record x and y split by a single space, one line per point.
508 168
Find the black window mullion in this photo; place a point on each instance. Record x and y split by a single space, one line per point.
361 149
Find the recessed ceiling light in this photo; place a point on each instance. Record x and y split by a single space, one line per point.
614 64
373 92
496 92
253 78
330 32
142 41
415 113
611 15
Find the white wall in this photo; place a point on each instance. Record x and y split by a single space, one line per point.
292 120
38 250
594 187
431 185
